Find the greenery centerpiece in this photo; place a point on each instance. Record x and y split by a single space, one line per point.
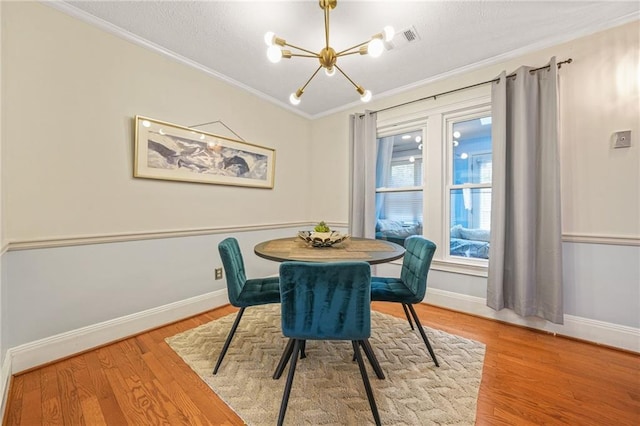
322 236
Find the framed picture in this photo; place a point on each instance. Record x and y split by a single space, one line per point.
172 152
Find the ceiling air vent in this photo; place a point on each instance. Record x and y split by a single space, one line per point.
403 38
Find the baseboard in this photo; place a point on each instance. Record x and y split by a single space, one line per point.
5 374
56 347
33 354
600 332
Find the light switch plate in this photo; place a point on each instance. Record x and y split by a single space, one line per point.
622 139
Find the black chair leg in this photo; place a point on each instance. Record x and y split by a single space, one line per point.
368 351
406 313
303 346
365 380
287 387
228 341
424 336
284 359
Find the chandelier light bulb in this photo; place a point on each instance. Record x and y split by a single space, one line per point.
328 56
274 53
294 99
375 48
366 96
464 155
269 38
388 32
456 134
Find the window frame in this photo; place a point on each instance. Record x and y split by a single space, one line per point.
412 126
449 119
436 154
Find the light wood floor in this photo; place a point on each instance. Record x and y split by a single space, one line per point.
529 378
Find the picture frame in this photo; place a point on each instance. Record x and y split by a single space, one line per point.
169 151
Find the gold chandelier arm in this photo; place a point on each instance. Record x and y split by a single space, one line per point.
326 27
299 55
346 76
315 55
304 56
310 78
348 51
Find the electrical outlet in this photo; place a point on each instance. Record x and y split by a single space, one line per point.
218 273
622 139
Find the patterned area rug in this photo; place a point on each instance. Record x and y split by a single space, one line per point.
327 388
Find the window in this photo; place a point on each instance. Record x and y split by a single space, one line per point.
469 187
436 182
399 201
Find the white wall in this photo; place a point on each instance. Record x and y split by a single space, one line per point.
74 91
5 367
599 95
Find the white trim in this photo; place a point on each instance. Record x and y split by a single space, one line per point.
476 270
599 332
4 249
39 352
73 11
602 239
126 35
514 54
5 375
77 240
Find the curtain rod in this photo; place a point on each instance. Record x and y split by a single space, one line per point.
568 61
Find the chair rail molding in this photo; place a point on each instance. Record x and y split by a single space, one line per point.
616 240
78 240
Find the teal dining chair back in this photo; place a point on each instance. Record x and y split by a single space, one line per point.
243 292
325 301
411 287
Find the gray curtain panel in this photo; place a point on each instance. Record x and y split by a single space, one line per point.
362 144
525 257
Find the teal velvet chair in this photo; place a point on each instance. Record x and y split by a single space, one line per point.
325 301
411 287
243 292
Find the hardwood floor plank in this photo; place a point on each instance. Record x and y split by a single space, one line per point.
31 400
109 407
13 412
135 402
92 411
70 404
51 406
529 378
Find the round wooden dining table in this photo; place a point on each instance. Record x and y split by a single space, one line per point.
353 249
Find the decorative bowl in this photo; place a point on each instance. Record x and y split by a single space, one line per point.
322 239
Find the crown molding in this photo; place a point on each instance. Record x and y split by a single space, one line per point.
94 21
80 14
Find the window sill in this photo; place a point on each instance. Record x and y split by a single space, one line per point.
476 269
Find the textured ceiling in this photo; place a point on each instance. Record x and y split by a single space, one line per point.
226 38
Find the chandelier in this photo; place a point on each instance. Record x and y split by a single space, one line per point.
327 56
